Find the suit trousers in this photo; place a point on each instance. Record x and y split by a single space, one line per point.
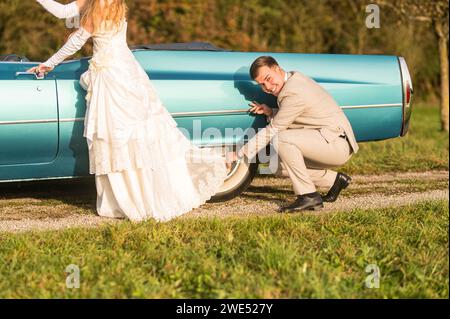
306 156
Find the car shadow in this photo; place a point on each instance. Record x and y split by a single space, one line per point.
79 192
267 190
267 193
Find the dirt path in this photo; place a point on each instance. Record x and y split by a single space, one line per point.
73 205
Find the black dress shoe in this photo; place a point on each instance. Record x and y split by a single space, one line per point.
341 182
309 201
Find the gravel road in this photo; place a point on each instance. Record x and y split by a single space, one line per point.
34 211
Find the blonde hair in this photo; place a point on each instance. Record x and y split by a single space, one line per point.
94 12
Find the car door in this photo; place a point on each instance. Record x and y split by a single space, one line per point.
28 116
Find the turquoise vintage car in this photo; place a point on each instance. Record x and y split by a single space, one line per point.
42 120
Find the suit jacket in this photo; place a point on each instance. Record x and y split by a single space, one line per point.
303 104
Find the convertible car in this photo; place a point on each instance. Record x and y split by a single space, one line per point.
42 119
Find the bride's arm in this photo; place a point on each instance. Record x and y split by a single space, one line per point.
75 43
62 11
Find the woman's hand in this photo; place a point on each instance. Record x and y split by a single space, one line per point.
260 109
41 68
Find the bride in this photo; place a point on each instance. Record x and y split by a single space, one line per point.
144 166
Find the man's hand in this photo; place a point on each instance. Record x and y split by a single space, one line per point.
231 157
260 109
41 68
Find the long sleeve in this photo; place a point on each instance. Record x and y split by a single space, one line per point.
75 43
270 117
290 108
61 11
258 142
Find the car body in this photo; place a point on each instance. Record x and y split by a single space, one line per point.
42 120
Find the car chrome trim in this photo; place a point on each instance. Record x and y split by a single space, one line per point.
186 114
21 62
29 121
76 119
42 179
370 106
30 73
406 79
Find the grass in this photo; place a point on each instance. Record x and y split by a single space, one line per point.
423 148
275 256
293 256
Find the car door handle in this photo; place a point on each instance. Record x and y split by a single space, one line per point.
30 73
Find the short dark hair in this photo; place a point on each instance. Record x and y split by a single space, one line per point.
260 62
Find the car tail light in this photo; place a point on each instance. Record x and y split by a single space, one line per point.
408 93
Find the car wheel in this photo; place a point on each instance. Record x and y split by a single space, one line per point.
237 181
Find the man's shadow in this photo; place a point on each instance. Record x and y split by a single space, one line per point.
250 90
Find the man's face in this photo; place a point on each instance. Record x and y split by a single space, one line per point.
271 79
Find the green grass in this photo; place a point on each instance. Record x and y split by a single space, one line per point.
423 148
292 256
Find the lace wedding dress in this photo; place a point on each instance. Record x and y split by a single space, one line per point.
144 165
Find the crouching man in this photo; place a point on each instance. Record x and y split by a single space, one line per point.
309 131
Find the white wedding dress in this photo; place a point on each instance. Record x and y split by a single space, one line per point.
144 166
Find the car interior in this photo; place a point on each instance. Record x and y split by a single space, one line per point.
13 58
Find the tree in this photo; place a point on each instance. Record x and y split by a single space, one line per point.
436 14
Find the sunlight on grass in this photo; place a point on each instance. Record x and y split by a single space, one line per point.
302 255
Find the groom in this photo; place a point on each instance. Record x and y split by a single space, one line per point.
309 131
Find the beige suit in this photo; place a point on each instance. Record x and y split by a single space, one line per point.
306 131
